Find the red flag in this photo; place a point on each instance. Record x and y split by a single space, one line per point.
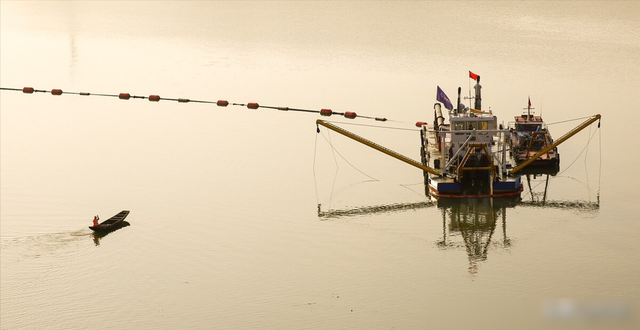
473 76
529 101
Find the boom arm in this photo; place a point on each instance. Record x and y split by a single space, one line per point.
376 146
556 143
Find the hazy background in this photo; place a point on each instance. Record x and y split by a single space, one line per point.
225 231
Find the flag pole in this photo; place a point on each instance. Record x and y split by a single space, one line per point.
469 90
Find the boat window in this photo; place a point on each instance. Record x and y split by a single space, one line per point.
459 126
483 125
528 127
472 125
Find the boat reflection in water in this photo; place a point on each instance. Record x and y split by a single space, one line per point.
470 223
98 235
475 221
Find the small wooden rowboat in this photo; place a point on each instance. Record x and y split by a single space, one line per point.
112 223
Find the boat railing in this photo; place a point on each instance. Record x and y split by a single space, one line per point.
459 152
477 137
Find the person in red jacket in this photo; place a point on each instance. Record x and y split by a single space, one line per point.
95 221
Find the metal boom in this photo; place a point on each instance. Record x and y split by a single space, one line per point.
378 147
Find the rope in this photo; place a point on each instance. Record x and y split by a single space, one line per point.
376 126
583 149
335 176
599 164
559 175
586 155
406 186
336 151
568 120
315 180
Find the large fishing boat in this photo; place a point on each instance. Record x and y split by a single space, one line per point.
529 135
469 153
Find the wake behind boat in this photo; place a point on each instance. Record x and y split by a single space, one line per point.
112 223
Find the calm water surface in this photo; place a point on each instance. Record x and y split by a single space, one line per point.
225 224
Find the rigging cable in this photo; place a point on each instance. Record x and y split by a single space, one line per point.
372 178
334 151
578 157
418 124
336 162
586 169
599 164
583 149
315 180
375 126
406 186
568 120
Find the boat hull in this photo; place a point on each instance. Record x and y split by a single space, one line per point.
112 223
529 135
551 167
447 188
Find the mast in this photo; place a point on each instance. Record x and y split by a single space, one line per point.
529 108
458 105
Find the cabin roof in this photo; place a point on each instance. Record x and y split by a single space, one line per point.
479 118
528 118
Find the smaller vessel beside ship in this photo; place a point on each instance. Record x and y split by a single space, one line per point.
529 135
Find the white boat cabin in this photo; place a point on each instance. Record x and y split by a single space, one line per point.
471 128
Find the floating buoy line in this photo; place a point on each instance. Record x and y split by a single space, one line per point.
220 103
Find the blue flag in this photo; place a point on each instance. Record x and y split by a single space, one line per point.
442 97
